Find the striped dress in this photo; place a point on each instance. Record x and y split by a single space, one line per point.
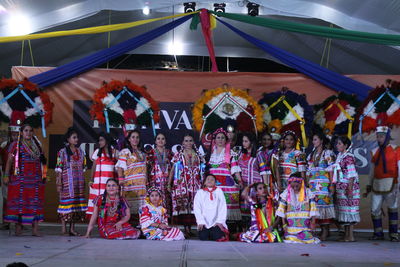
252 169
134 180
223 171
150 214
298 216
105 169
347 208
26 190
289 163
73 204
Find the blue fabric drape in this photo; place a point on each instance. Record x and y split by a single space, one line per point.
84 64
327 77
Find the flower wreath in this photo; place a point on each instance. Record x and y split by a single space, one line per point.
286 110
225 106
24 102
335 116
119 103
380 108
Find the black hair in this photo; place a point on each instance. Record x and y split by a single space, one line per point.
271 146
67 135
104 197
325 143
253 142
109 142
344 139
128 144
205 178
155 138
42 157
296 174
17 264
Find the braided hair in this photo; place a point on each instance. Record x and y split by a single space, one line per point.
104 198
109 146
67 135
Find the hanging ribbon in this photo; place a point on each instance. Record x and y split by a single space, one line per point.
177 170
206 27
89 30
350 118
262 225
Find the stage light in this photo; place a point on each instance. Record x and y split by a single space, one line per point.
175 48
2 9
146 10
252 9
189 7
19 24
219 7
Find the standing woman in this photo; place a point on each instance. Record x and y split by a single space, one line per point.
347 188
290 160
23 175
251 172
186 178
223 165
159 165
320 178
104 159
131 167
71 164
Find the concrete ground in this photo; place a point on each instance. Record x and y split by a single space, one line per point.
59 251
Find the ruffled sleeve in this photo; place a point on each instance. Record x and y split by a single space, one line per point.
263 167
97 200
281 211
122 159
95 155
60 165
235 168
350 167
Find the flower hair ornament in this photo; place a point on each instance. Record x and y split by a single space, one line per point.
302 194
151 190
227 156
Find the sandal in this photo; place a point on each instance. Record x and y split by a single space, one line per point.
394 239
74 234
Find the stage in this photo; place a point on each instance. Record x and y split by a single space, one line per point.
55 250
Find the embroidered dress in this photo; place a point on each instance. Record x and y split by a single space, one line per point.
159 168
223 171
298 216
187 180
252 169
254 233
109 214
290 163
150 214
105 169
26 189
134 180
347 208
72 204
319 181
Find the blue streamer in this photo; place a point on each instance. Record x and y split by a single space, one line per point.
9 96
107 121
395 99
367 112
87 63
327 77
178 169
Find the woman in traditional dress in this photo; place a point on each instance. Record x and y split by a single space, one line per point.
112 213
131 167
104 159
298 211
320 175
224 166
289 160
23 175
347 188
71 164
154 219
159 165
210 210
259 232
185 178
252 171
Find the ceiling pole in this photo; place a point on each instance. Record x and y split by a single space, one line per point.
109 35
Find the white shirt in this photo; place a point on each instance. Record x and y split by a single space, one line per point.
210 212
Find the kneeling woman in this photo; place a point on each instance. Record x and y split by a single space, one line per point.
154 219
112 213
210 211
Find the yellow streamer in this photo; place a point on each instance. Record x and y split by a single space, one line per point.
350 118
303 132
89 30
213 22
275 103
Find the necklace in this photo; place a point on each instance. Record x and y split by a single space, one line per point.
161 159
189 158
31 148
112 206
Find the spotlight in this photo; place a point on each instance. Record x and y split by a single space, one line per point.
252 9
189 7
146 10
219 7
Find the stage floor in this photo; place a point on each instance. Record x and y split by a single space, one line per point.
58 251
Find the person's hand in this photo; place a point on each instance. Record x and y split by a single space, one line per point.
90 184
118 226
87 235
350 191
200 227
163 226
220 226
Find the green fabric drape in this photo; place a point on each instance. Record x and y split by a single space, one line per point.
366 37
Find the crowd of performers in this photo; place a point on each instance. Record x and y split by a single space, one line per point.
264 191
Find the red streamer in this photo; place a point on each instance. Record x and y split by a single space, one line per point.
206 28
